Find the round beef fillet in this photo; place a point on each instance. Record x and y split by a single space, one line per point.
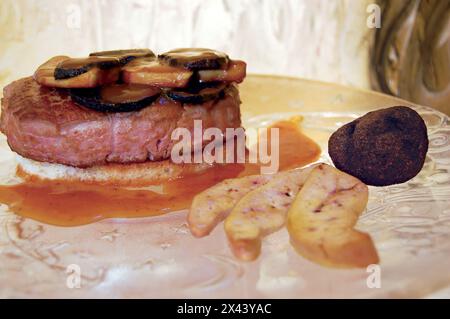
381 148
44 124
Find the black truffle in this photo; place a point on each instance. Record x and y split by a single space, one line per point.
381 148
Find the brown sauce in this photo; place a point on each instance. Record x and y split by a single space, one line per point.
295 150
74 203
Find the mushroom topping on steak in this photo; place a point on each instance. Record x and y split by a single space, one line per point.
119 106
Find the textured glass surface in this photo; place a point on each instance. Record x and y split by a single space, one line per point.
157 257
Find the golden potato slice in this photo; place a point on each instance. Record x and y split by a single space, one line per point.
94 77
261 212
235 73
321 220
214 204
152 72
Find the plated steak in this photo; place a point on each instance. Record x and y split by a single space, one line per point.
45 124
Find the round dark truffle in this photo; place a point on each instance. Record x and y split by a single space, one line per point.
381 148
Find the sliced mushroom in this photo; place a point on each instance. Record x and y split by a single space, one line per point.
235 73
116 97
45 75
195 59
197 96
70 68
151 72
125 56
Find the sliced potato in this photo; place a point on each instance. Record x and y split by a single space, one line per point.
152 72
261 212
45 75
214 204
235 73
321 220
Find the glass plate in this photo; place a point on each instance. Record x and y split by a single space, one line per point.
157 256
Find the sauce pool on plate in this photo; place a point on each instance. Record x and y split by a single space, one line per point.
74 203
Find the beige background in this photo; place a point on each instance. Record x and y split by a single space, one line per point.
316 39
